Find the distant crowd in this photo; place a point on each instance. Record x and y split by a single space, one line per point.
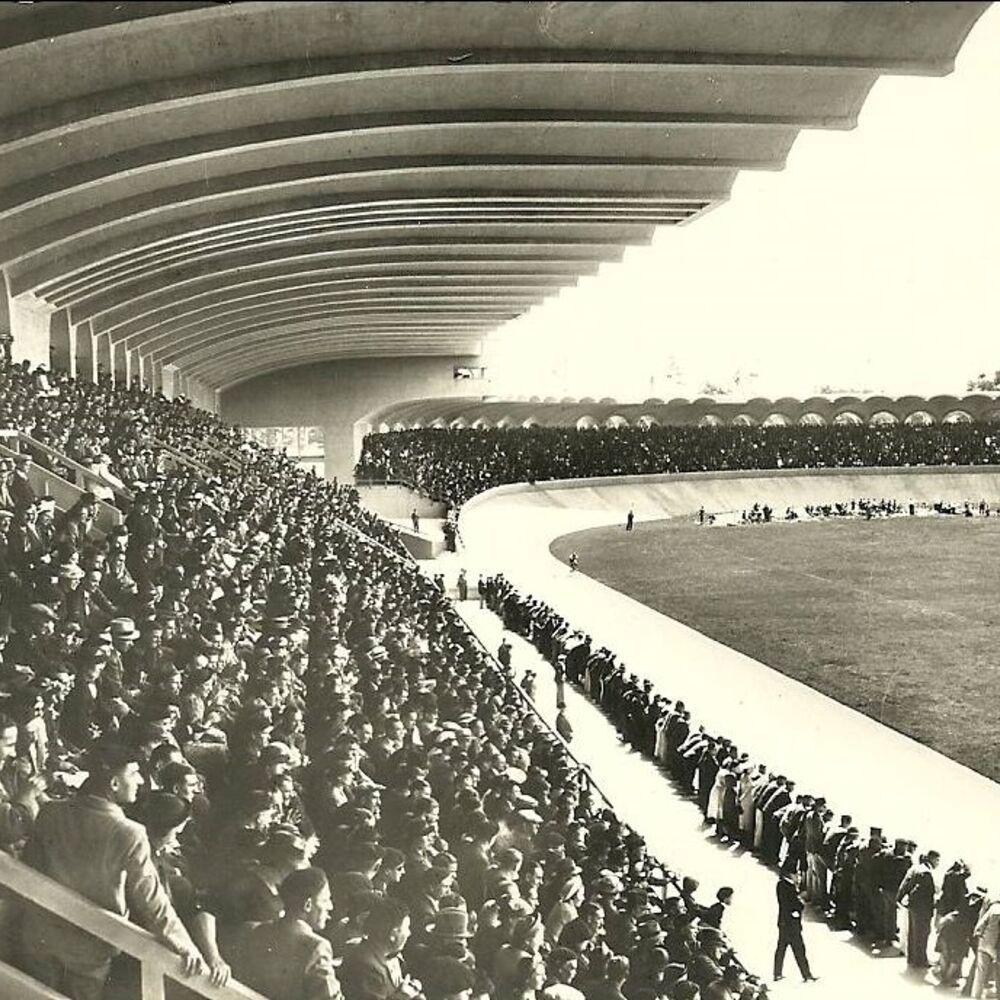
454 465
866 508
881 887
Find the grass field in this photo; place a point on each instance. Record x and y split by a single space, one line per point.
899 619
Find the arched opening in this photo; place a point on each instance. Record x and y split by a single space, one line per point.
743 420
399 426
384 428
439 424
480 422
882 418
847 419
776 420
503 423
812 420
957 417
615 420
458 423
919 418
710 420
530 422
646 421
586 424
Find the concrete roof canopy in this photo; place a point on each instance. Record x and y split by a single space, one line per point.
238 188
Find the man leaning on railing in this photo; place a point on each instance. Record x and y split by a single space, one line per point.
88 844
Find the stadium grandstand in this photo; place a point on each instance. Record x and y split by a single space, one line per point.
254 745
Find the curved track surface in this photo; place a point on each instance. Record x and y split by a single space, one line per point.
878 775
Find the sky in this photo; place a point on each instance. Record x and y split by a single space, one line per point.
871 263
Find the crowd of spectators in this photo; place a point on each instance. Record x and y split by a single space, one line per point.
454 465
243 718
855 881
860 508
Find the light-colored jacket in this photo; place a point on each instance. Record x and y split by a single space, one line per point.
988 929
88 844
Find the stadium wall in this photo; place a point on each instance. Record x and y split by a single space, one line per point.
677 494
337 396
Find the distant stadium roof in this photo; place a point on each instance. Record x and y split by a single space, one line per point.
236 188
817 410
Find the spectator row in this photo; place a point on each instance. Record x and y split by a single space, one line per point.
454 465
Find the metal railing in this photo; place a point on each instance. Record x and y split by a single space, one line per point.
83 478
157 962
180 458
47 483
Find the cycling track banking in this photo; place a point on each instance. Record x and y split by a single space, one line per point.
879 776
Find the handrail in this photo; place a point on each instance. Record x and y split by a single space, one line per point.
180 457
389 481
225 456
156 959
108 515
81 471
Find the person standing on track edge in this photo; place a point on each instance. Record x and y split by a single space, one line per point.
790 925
630 520
573 562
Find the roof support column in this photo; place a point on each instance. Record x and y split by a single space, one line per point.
169 377
137 364
105 365
62 349
83 349
122 363
30 327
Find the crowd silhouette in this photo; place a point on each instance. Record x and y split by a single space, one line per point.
882 888
454 465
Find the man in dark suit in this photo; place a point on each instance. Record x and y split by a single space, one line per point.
917 891
790 925
287 959
20 486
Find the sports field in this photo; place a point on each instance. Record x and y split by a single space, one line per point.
897 618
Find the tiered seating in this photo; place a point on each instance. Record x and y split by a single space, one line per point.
300 701
455 465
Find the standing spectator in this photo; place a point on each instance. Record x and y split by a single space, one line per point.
463 586
415 520
987 935
629 521
563 726
88 844
790 926
917 892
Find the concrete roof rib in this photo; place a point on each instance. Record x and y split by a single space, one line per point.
239 188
